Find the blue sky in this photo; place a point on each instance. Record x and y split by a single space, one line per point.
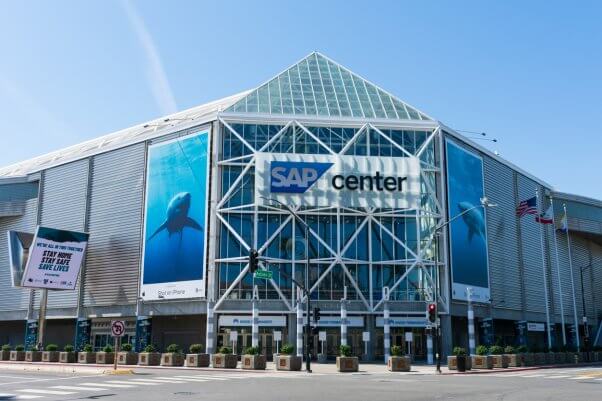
527 73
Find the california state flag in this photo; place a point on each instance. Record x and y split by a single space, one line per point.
546 217
564 226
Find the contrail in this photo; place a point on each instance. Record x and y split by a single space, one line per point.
155 73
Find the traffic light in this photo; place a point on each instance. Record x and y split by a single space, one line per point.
432 313
316 315
253 260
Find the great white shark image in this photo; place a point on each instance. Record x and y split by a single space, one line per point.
177 216
473 219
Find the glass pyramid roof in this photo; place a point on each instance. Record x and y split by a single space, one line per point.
318 86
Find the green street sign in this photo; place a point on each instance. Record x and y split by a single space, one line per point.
264 274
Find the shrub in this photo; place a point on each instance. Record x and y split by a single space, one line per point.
522 349
20 347
252 351
287 349
88 348
6 347
68 348
196 348
225 350
459 351
509 350
107 348
149 348
52 347
173 349
482 350
496 350
34 348
396 350
127 347
345 350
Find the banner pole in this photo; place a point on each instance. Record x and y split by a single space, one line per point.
558 273
42 319
545 276
568 244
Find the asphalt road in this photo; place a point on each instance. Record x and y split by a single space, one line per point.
149 385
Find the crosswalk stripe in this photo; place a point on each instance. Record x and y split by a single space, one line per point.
204 377
158 381
188 379
79 388
28 397
143 383
45 392
107 384
581 377
533 376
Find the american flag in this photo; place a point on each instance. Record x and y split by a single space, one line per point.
528 206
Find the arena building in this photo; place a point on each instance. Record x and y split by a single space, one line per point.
374 206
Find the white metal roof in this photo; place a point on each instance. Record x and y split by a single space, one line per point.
138 133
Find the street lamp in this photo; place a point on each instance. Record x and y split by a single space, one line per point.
585 328
484 203
303 287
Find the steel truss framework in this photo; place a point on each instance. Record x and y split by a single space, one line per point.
426 256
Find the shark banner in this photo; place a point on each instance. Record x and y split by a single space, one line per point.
468 235
175 218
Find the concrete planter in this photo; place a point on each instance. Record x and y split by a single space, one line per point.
452 362
33 356
559 357
499 361
526 359
399 364
17 355
539 358
67 357
172 359
550 358
197 360
582 356
512 360
598 356
347 363
105 357
322 358
50 356
86 357
253 362
288 362
5 355
482 362
127 358
149 358
224 361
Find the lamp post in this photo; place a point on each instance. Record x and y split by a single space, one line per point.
484 203
585 328
303 287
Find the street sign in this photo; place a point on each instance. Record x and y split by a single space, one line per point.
277 336
409 336
233 335
117 328
322 336
263 274
366 336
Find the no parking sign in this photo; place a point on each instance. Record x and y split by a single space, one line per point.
117 328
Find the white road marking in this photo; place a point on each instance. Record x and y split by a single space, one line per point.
557 377
203 377
50 379
533 376
28 397
581 377
106 384
186 379
79 388
44 391
157 381
18 377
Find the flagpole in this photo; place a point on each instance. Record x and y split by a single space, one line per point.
558 272
568 243
545 276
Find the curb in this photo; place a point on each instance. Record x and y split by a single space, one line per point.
523 369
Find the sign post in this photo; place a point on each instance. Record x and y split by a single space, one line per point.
233 338
277 338
366 338
117 331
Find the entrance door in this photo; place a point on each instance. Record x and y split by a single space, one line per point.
266 344
333 340
356 343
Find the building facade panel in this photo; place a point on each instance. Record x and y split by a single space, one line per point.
64 191
116 196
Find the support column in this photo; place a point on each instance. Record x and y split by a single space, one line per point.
210 335
471 335
299 328
446 335
343 323
387 332
255 325
429 349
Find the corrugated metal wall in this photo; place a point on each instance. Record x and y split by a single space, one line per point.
12 299
502 236
113 261
64 207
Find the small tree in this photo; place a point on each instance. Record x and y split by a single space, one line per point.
127 347
459 351
6 347
149 348
522 349
107 348
34 348
509 350
88 348
482 350
68 348
252 351
20 347
396 350
196 348
52 347
287 349
344 350
173 349
496 350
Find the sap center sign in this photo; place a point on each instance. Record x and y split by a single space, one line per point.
338 180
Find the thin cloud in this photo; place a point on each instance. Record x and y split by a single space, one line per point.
156 76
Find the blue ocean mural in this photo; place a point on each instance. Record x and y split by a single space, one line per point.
175 218
468 236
